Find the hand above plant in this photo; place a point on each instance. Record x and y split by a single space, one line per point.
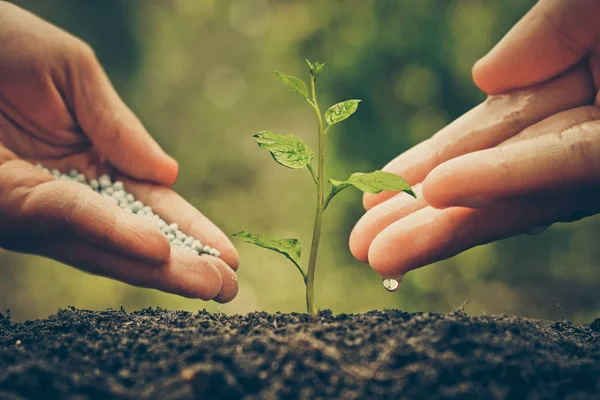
527 157
58 108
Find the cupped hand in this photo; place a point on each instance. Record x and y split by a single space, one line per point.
527 157
58 108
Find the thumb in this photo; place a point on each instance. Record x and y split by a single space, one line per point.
553 36
112 127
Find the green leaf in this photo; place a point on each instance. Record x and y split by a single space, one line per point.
338 186
372 182
316 68
290 248
341 111
296 84
287 150
378 181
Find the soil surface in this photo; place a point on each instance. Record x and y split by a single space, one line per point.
162 354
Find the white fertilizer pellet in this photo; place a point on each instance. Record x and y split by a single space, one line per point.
115 192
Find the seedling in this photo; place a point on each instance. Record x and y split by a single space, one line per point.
292 152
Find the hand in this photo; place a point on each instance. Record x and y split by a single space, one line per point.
527 157
58 108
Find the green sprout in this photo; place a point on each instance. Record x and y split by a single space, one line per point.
294 153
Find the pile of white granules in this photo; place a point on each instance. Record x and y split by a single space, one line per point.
115 192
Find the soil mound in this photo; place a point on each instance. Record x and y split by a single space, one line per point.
161 354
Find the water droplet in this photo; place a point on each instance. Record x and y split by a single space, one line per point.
391 285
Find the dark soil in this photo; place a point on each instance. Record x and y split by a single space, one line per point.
384 354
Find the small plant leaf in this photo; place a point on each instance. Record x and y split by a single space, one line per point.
287 150
338 186
378 181
290 248
341 111
294 83
318 68
315 69
372 182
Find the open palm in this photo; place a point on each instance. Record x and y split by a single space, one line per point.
58 108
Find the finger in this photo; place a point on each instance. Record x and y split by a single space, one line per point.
558 123
543 165
431 235
6 155
112 127
488 124
380 217
174 209
552 37
183 274
594 63
31 201
229 281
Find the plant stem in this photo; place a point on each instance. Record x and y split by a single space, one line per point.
312 173
314 250
328 199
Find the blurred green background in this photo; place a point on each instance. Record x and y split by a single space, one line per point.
198 73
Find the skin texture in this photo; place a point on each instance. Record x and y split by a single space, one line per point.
58 108
529 156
